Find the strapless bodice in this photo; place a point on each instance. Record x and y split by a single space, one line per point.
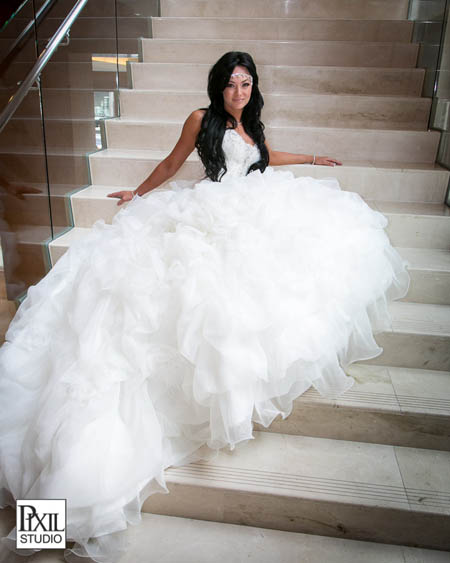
239 155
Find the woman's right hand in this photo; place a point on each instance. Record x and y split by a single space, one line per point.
124 196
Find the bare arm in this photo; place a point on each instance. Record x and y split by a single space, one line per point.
278 158
170 165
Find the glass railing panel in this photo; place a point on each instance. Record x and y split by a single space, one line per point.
78 90
76 96
432 32
25 219
428 17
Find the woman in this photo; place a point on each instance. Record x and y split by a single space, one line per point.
236 104
160 338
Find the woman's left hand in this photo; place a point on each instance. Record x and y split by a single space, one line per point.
327 161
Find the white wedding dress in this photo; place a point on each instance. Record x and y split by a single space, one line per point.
159 338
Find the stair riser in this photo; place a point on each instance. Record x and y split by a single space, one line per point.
308 515
61 134
61 104
106 8
105 27
350 144
63 75
288 29
289 80
368 112
333 9
364 425
418 351
418 231
123 172
34 210
428 286
33 261
371 183
79 50
30 168
338 53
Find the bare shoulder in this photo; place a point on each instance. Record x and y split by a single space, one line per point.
192 126
194 120
198 114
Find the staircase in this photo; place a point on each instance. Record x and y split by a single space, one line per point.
367 475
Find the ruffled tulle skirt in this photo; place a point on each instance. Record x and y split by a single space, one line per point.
161 337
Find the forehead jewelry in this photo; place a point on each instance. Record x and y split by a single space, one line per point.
249 77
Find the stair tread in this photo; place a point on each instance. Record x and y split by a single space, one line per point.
201 541
413 208
117 121
391 389
399 97
149 64
427 258
401 208
152 154
228 542
277 41
420 318
358 473
281 20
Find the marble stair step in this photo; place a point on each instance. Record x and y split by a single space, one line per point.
316 53
386 405
335 9
430 275
105 26
282 28
416 225
387 181
410 225
67 74
81 49
325 110
27 165
26 132
286 79
136 8
341 143
59 103
170 539
429 267
420 335
337 488
33 208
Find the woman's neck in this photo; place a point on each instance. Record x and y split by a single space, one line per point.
237 115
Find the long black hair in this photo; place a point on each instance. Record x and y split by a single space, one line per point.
210 137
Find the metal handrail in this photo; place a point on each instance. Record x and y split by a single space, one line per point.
24 33
38 67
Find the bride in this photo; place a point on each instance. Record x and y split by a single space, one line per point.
160 338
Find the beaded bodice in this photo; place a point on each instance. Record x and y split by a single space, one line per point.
239 155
